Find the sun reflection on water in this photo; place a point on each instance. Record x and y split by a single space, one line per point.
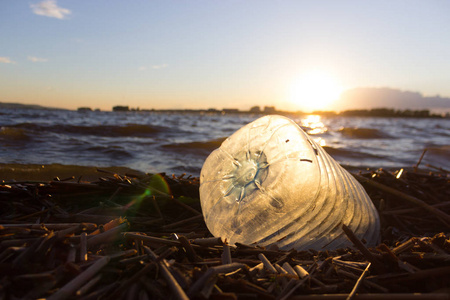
320 141
313 125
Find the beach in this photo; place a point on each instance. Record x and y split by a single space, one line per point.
143 235
112 210
224 150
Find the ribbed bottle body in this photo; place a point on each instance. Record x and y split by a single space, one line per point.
269 183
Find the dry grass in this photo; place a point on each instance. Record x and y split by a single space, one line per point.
143 237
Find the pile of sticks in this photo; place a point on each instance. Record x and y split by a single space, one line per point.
143 237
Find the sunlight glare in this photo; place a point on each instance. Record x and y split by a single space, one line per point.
314 91
313 125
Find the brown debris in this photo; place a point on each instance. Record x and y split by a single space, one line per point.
143 237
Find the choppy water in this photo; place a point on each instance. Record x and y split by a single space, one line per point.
179 143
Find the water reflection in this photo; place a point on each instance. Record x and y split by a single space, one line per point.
320 141
313 125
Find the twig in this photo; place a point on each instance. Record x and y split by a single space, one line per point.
267 263
438 168
280 269
290 292
126 283
173 284
413 209
84 289
420 160
71 256
442 215
182 222
358 244
366 282
190 252
226 255
53 226
107 236
213 272
393 296
286 266
83 246
66 291
151 239
111 224
126 253
405 277
64 232
287 293
207 242
38 213
358 283
193 210
302 273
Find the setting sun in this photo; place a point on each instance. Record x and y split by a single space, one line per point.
314 91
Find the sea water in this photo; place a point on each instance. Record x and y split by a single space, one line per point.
177 143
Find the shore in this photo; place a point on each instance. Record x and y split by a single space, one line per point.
48 172
128 236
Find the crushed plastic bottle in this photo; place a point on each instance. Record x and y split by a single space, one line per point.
269 183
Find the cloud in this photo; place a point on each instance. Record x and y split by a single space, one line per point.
6 60
159 66
49 8
142 68
37 59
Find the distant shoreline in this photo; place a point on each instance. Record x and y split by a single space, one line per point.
374 112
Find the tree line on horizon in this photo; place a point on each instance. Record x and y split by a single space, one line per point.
383 112
374 112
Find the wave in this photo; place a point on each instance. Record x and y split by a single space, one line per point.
200 148
111 151
363 133
438 156
12 133
206 147
337 153
133 130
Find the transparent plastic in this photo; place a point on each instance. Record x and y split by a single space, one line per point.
269 183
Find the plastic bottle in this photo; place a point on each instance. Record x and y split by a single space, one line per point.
269 183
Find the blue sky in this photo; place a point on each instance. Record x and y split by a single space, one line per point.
221 54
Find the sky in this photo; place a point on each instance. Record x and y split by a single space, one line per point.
218 54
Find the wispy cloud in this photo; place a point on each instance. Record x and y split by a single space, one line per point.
142 68
37 59
49 8
6 60
159 66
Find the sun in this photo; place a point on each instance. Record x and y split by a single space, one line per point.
314 91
